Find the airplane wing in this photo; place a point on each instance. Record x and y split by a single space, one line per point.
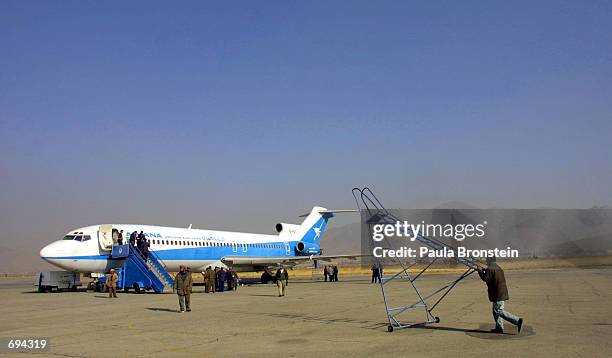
280 260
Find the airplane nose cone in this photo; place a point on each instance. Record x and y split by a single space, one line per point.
51 252
46 252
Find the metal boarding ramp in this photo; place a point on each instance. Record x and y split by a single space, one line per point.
369 205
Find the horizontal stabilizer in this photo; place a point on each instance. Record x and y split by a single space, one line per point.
332 212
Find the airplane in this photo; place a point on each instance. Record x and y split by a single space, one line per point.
87 249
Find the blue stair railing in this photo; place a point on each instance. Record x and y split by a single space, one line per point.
148 272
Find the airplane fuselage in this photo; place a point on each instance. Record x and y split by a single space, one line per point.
87 249
197 249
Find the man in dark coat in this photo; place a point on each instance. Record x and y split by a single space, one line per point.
139 240
494 277
221 280
144 247
182 286
120 238
235 279
282 278
133 238
231 279
216 279
375 273
330 272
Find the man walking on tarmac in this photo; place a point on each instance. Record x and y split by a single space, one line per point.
182 287
493 275
282 278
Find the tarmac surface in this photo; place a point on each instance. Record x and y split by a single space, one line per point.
567 313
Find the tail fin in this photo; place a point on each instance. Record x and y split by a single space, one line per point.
314 225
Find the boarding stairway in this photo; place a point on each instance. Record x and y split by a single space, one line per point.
373 212
139 272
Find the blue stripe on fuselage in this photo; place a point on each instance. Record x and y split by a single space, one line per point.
204 253
219 252
87 257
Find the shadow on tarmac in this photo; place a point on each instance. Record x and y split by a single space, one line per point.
484 331
158 309
451 329
509 333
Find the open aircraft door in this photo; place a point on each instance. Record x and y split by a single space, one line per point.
106 237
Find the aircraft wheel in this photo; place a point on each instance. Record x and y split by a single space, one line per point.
389 328
265 277
437 319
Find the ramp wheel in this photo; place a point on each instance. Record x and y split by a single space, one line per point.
389 328
437 319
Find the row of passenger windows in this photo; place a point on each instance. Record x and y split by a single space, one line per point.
202 243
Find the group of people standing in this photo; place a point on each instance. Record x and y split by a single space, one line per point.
377 272
215 279
331 272
137 240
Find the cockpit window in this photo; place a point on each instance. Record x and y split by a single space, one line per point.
77 237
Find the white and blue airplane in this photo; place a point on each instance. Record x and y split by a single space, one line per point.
87 249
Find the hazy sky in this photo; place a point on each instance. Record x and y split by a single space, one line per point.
239 115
